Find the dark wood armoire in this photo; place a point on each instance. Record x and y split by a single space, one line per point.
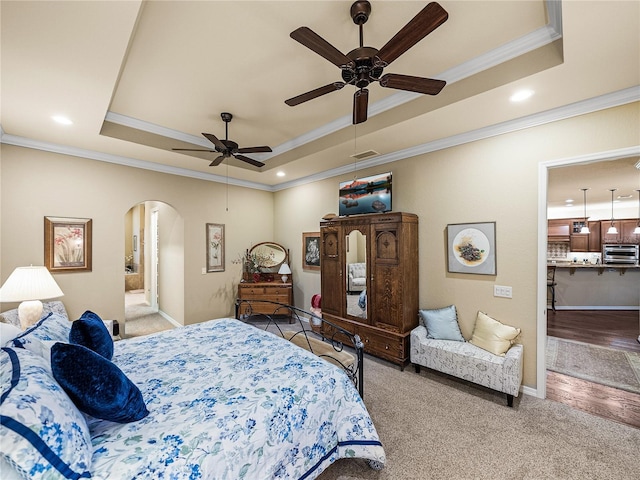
386 311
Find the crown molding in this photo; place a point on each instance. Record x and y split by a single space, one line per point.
602 102
125 161
621 97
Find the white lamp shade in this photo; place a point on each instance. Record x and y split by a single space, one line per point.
636 231
29 283
584 230
284 269
612 230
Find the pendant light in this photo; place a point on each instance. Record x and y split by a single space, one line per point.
612 229
636 231
585 228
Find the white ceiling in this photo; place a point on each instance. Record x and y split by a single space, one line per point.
140 78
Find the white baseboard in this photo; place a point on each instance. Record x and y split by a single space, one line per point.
169 319
530 391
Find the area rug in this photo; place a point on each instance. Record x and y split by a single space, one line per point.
603 365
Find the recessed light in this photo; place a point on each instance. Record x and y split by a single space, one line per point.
62 120
569 200
521 95
280 174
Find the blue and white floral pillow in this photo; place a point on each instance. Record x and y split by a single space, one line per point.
42 433
54 327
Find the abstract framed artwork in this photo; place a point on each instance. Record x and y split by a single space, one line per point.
311 251
215 247
67 244
471 248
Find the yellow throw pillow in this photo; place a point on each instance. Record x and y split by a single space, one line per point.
493 336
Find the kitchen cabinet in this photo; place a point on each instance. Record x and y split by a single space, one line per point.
625 231
585 242
559 230
388 244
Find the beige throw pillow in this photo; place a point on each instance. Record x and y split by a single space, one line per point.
493 336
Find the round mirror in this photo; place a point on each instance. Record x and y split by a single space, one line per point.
268 255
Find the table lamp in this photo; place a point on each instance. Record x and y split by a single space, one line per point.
29 285
284 271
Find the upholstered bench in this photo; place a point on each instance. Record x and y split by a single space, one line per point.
467 361
322 349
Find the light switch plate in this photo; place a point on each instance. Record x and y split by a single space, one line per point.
502 291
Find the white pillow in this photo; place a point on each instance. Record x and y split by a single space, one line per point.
8 332
493 336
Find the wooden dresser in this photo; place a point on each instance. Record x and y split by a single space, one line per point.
275 291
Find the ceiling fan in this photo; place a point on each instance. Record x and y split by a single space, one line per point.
364 65
227 147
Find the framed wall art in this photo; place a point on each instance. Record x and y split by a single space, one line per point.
215 247
311 251
471 248
67 244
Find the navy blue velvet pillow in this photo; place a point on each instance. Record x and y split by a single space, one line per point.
90 331
96 385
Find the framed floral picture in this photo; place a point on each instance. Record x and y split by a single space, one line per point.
311 251
215 247
67 244
471 248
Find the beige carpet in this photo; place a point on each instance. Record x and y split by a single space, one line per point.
140 318
606 366
436 427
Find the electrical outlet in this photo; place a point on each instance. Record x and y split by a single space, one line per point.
204 270
501 291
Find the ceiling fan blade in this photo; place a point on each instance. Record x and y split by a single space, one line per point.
318 92
315 42
428 86
425 22
217 161
360 103
249 160
191 150
213 139
254 149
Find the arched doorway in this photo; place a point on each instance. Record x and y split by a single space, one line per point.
154 268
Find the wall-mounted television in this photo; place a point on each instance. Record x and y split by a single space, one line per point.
366 195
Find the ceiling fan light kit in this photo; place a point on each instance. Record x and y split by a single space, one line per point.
364 65
226 147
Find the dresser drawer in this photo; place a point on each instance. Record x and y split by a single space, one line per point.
382 345
247 292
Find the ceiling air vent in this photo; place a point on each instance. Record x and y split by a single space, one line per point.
365 154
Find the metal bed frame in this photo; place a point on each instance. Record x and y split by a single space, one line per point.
326 332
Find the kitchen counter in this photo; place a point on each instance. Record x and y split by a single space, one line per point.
599 267
615 287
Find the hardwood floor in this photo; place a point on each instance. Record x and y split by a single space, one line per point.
615 329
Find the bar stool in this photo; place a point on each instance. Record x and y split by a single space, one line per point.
551 284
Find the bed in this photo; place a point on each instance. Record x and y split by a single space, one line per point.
225 400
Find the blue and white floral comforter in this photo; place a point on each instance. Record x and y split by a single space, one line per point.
230 401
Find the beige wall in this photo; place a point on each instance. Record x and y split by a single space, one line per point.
490 180
36 184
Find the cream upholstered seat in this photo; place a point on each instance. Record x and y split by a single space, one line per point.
357 279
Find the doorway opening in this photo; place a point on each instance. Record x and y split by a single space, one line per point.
154 259
561 326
